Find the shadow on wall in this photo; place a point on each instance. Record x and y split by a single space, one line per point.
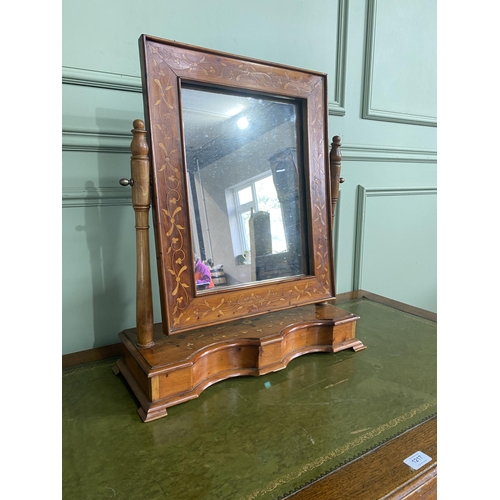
110 297
109 225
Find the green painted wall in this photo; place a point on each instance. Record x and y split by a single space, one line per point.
380 56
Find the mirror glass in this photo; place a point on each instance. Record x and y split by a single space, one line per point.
245 179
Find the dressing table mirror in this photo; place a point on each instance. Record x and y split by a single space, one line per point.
233 158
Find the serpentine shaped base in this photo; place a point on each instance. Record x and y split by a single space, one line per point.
180 367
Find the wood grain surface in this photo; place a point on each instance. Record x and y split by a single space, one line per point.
381 473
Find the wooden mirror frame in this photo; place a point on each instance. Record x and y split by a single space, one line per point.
165 66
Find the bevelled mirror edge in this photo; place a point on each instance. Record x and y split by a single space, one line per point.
182 308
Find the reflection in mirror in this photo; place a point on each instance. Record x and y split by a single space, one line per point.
243 156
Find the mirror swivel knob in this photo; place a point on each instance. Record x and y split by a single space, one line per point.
341 180
127 182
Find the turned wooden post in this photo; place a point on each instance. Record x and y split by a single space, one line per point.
335 159
141 199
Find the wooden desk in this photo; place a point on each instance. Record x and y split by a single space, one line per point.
330 426
381 473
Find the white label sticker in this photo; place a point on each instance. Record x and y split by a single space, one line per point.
416 460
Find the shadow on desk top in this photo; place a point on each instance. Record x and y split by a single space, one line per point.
253 438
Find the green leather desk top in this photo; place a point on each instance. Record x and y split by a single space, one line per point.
251 437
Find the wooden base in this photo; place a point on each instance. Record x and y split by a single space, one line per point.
180 367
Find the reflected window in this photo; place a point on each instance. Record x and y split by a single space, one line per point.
257 196
245 195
